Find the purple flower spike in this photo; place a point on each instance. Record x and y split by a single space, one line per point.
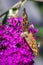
14 50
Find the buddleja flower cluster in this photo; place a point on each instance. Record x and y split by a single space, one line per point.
14 50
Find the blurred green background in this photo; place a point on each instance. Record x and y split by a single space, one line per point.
40 33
